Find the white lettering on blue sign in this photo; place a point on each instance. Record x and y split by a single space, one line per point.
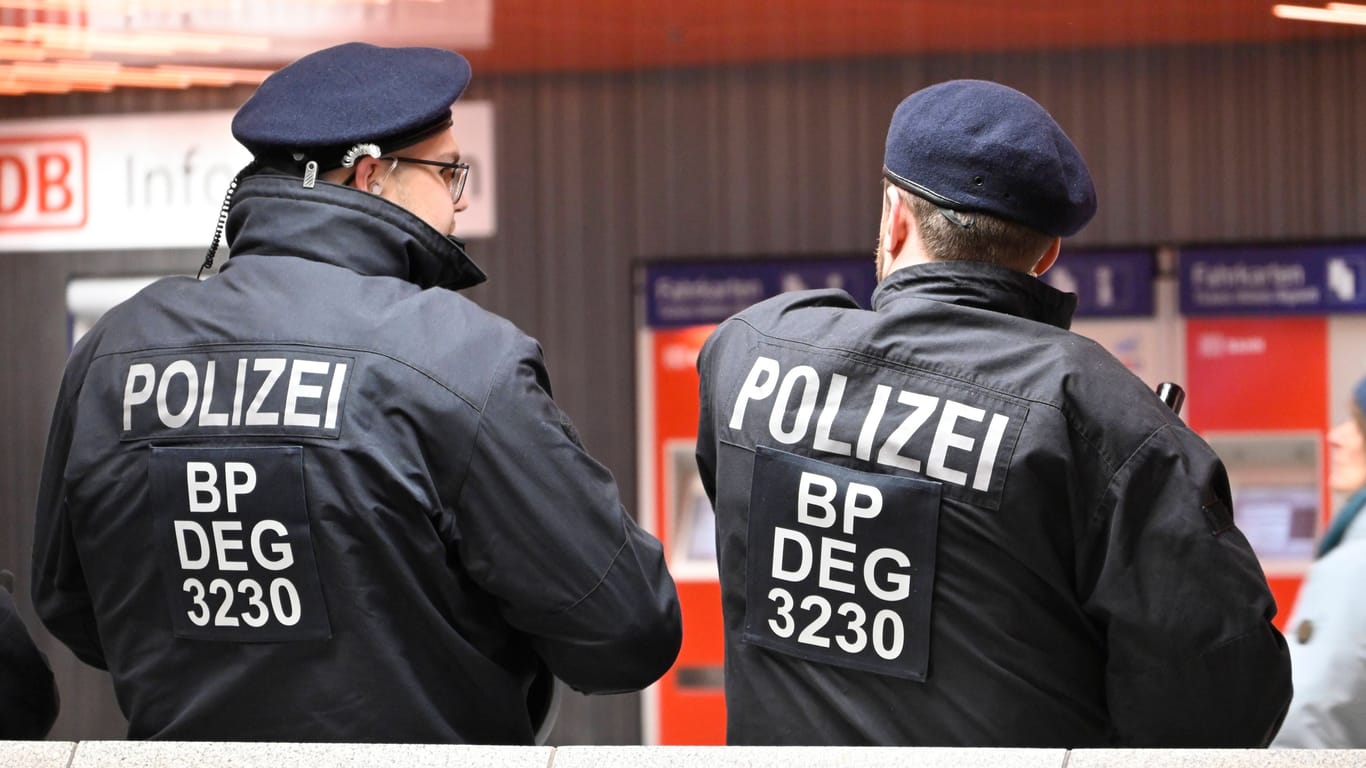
1240 275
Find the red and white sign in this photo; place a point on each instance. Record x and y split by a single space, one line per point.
43 182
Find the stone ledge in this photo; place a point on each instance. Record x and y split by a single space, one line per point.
36 754
164 754
169 754
1216 758
805 757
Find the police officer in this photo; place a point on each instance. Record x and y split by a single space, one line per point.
28 693
950 521
320 496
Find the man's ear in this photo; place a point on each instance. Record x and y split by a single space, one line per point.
1049 256
367 174
897 223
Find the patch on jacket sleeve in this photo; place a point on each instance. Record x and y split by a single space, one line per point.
570 432
1217 514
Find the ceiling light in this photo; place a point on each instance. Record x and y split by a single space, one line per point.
1351 13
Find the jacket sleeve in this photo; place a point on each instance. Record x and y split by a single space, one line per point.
706 429
541 527
59 592
1193 659
28 693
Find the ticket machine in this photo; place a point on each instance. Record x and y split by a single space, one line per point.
1275 341
682 304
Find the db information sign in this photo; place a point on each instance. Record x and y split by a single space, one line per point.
158 180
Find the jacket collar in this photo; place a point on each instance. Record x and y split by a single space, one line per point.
979 285
274 215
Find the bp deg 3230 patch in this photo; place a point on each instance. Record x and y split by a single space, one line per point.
841 564
236 548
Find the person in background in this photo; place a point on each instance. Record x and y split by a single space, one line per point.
320 495
28 693
949 520
1327 629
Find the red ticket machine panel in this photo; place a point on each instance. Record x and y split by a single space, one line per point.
1258 391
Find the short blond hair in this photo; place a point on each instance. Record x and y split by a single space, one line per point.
985 238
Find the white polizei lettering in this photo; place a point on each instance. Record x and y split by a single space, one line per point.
793 411
781 536
239 479
137 389
945 438
922 406
805 410
901 582
207 418
981 481
806 499
274 367
829 562
181 418
827 419
201 480
284 553
312 393
183 527
759 384
299 390
852 509
238 392
334 395
221 544
872 420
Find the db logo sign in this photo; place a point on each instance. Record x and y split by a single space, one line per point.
43 182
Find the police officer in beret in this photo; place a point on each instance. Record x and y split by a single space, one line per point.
949 520
28 693
319 495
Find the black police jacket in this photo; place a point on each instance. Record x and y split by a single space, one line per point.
320 496
28 693
950 521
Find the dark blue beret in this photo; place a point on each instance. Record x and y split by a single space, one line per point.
330 100
973 145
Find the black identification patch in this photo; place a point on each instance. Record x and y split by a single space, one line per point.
236 551
841 564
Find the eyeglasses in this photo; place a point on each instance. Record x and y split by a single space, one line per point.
454 174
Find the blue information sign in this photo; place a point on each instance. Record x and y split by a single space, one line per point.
1107 283
1274 280
683 294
